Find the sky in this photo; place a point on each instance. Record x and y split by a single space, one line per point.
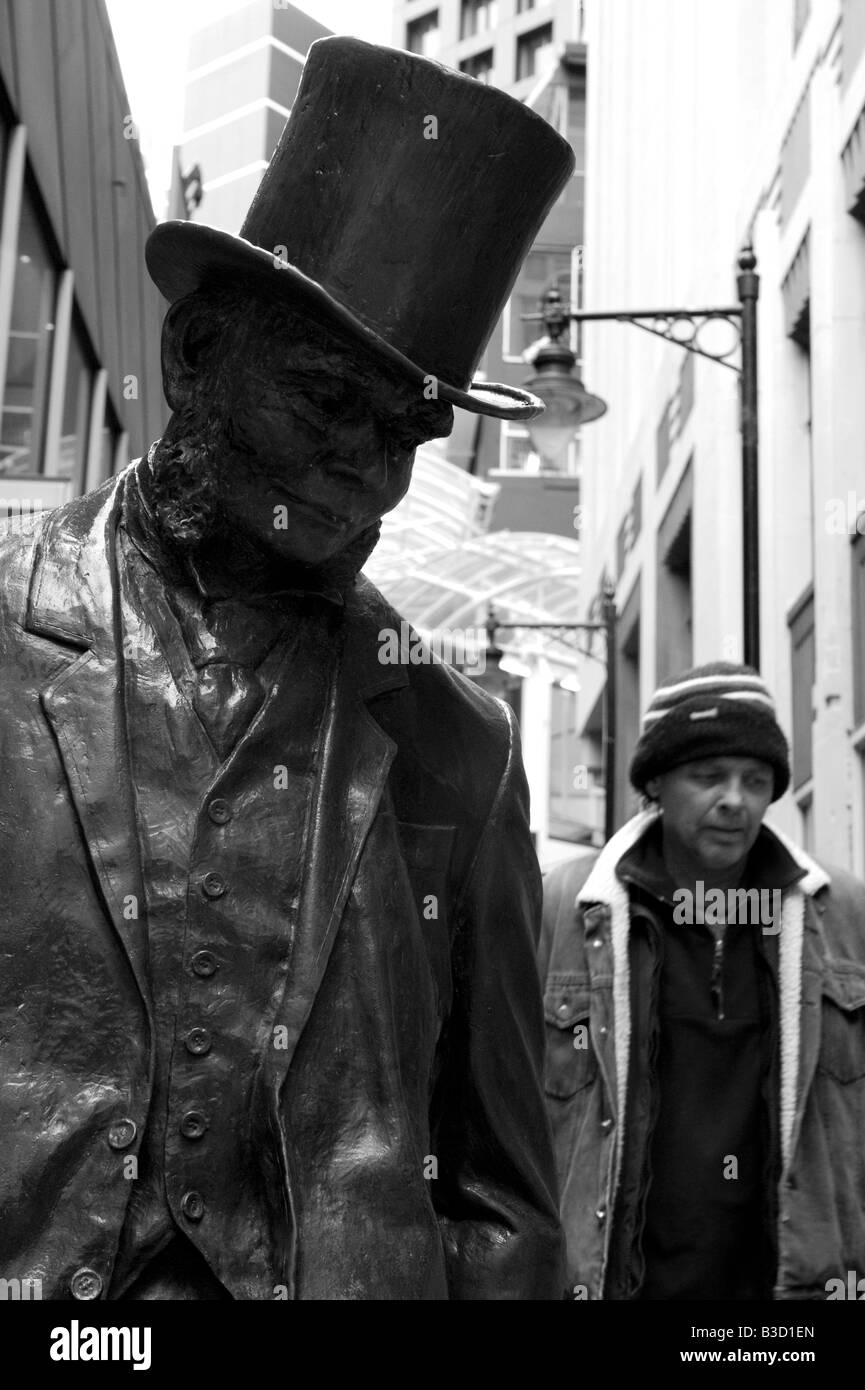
151 43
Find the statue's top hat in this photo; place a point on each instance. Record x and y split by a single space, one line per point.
399 204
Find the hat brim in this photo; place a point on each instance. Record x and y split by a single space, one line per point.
184 256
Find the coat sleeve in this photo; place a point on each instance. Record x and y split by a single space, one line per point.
495 1192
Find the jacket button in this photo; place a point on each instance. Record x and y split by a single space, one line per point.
214 885
122 1134
85 1284
563 1010
193 1124
606 1125
598 941
192 1205
603 1030
601 1214
204 963
198 1041
219 811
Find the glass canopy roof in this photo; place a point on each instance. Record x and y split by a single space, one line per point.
442 569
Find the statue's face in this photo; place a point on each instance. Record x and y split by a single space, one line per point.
318 456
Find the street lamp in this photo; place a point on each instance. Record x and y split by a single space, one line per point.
570 405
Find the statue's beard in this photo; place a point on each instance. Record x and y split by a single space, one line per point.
186 487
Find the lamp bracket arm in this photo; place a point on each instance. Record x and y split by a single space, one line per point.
662 327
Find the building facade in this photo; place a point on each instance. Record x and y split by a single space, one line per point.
710 126
242 78
80 319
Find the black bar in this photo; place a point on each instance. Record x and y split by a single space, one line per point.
554 627
748 285
609 611
626 316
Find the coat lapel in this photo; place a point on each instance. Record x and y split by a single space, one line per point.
72 602
354 761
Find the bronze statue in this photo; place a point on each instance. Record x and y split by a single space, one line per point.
269 1022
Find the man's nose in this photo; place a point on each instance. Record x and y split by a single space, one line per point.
733 794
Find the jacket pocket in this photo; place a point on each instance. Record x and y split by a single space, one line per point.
842 1042
570 1062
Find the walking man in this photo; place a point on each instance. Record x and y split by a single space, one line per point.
705 1008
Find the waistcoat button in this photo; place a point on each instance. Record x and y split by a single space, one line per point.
198 1041
122 1134
214 885
204 963
192 1205
193 1124
601 1214
219 811
606 1124
85 1284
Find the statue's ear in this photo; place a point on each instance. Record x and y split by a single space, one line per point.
190 332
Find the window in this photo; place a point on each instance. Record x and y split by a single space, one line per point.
423 35
523 6
517 447
478 17
534 51
576 801
852 38
628 661
108 439
75 426
480 65
796 158
662 445
674 601
686 390
802 659
30 343
806 822
629 530
801 11
541 269
858 557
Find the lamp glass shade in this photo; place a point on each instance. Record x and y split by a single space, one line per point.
568 405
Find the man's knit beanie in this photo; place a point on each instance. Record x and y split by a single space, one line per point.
710 711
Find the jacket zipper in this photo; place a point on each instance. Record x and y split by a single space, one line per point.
717 986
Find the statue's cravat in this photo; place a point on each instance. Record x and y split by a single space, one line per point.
227 641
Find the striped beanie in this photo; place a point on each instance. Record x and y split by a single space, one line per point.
710 711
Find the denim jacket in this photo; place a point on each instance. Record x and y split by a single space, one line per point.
584 962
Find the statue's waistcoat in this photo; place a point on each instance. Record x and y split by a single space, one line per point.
222 856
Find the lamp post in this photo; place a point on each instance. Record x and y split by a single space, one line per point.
608 627
570 405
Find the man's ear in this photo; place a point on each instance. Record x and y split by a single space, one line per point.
190 332
653 788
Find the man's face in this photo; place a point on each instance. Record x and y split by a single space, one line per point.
713 810
317 457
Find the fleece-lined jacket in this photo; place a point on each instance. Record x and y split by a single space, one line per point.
584 961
